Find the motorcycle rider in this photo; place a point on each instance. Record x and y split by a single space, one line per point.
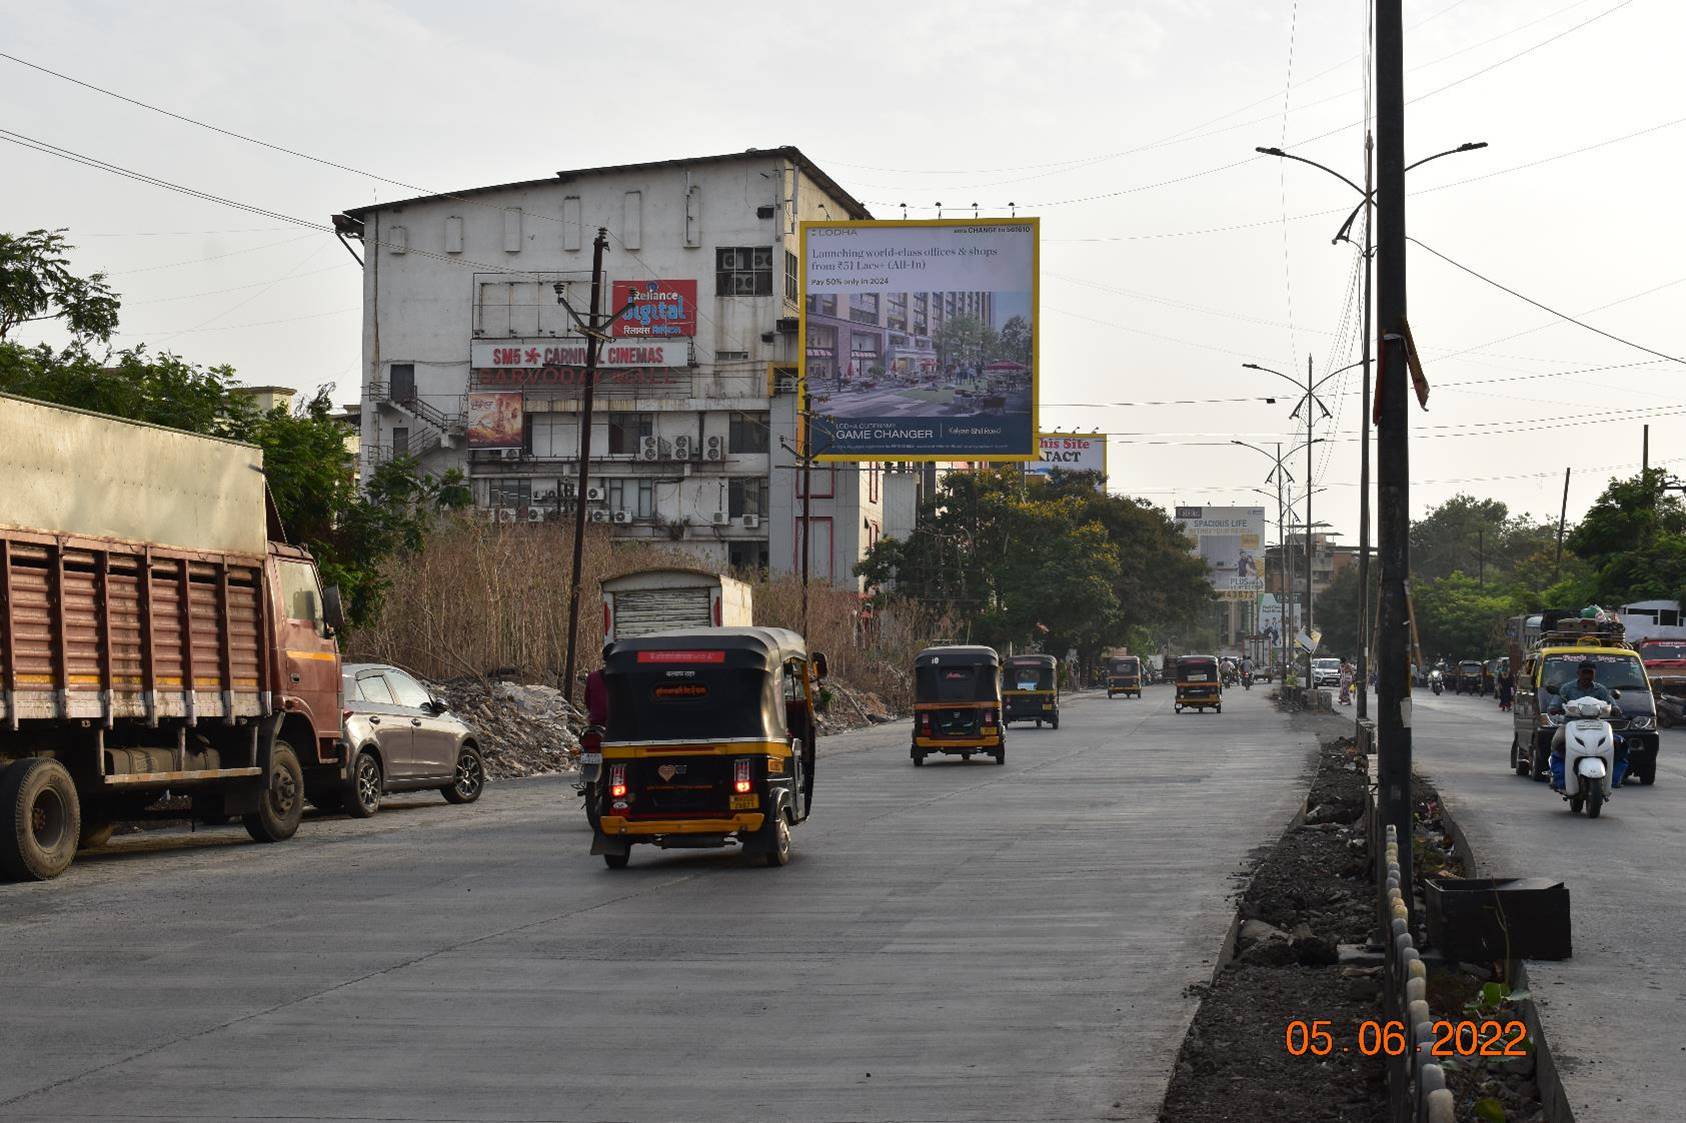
1586 685
1247 671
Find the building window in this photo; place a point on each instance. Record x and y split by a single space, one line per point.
748 433
635 495
400 440
863 308
823 305
511 493
898 311
626 429
792 278
747 496
864 352
646 499
747 556
552 435
743 271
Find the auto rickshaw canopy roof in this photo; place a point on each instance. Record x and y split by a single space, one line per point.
772 647
959 655
1032 661
700 684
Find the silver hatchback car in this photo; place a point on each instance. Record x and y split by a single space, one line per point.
404 740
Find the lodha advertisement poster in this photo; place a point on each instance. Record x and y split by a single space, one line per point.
1071 452
654 309
1230 541
496 420
919 339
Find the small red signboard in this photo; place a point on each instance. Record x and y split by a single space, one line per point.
681 656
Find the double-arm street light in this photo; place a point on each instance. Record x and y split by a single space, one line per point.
1280 475
1366 201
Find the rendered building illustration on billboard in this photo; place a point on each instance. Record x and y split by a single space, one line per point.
919 339
1230 540
1070 452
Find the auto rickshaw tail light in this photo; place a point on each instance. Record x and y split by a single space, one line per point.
925 724
617 781
741 782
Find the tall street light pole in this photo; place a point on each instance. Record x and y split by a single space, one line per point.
1369 194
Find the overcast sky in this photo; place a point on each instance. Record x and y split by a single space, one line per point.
1128 126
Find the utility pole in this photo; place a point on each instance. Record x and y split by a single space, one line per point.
1645 451
1364 454
1393 461
1311 402
1562 517
807 506
593 334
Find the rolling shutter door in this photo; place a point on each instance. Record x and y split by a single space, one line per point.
642 611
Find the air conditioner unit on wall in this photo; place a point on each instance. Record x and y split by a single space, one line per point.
623 517
750 522
682 448
506 514
535 514
714 449
599 516
721 518
594 495
649 448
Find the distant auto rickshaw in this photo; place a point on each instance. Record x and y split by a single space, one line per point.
1198 687
1032 690
1468 677
1124 676
710 740
957 703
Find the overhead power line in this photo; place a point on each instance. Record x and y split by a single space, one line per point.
1546 308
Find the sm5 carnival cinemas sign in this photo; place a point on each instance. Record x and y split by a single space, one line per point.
624 369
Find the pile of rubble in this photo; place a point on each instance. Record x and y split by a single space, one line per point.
522 730
852 709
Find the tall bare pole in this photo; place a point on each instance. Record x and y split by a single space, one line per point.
1364 456
1310 416
1393 461
1562 517
807 502
592 338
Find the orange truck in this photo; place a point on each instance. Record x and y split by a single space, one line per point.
154 640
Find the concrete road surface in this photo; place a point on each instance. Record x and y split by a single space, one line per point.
1611 1014
957 942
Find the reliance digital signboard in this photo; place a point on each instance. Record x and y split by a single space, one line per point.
654 309
919 339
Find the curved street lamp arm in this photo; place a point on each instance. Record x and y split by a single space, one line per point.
1288 378
1467 146
1290 156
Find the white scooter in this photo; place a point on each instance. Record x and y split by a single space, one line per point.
1589 756
1436 681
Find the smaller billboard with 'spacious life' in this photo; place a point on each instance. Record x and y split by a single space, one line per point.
1070 452
1230 541
654 309
496 420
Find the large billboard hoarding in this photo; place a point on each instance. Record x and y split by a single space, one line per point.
1230 540
1070 452
496 420
919 339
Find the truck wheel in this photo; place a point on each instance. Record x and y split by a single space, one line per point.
617 861
366 784
470 779
40 818
282 804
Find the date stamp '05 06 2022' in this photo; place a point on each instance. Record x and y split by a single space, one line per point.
1389 1039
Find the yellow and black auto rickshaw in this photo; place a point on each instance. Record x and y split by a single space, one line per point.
957 703
1032 690
1198 687
1124 676
710 739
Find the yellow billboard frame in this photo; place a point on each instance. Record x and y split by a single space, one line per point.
1035 225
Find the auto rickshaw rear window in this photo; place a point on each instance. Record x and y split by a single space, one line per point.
962 683
662 704
1031 677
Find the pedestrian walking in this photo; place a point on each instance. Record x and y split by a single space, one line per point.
1507 690
1346 683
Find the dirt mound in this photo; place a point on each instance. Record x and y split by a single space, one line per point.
852 709
522 730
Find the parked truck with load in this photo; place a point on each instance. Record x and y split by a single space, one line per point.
659 600
154 640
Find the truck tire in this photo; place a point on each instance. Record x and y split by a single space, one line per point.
282 804
40 819
470 778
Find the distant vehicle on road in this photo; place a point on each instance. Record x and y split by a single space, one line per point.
1554 664
1032 691
1124 676
1198 687
1467 680
1325 672
957 703
401 739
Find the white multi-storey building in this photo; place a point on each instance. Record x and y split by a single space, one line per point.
472 359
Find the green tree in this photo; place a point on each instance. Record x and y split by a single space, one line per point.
1016 340
1339 608
1457 619
1634 539
36 284
966 341
1476 536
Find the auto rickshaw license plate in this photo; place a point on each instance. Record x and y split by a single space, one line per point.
745 802
591 758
